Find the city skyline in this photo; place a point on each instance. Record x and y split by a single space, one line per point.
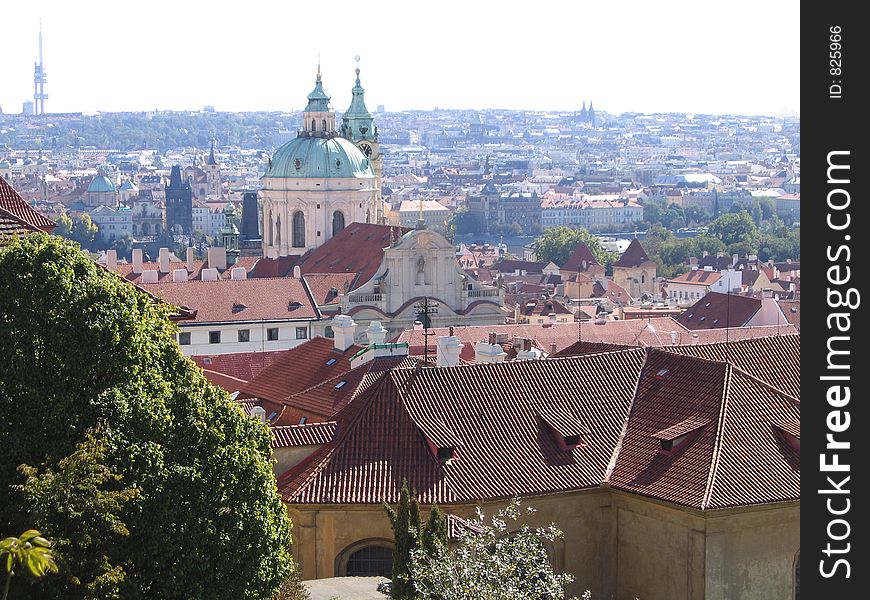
677 58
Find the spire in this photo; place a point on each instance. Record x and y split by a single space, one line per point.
357 121
318 99
211 160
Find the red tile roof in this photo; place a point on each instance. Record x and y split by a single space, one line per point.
634 256
299 369
238 365
240 300
581 254
126 269
358 248
227 382
697 277
505 447
323 284
308 434
17 216
731 456
715 311
614 292
792 311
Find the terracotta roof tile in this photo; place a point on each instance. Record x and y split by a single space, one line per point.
634 256
729 456
299 369
17 216
382 436
238 365
716 311
697 277
227 382
240 300
325 287
358 248
308 434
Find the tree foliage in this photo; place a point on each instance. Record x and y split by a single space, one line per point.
405 520
558 243
493 560
29 552
83 349
732 228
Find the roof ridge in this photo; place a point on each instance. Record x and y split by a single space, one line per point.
711 477
618 446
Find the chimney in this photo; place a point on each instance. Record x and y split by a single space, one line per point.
673 338
190 258
344 329
259 412
210 274
150 276
137 260
708 268
238 273
179 275
112 259
493 337
297 272
552 348
528 353
734 258
489 352
163 259
448 351
376 332
217 258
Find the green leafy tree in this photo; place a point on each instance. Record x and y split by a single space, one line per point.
81 500
123 246
82 347
492 561
434 536
732 228
405 520
64 226
28 551
84 231
557 244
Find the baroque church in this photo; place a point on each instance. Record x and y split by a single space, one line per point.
324 179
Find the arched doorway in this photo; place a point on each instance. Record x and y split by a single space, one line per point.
367 558
337 222
298 229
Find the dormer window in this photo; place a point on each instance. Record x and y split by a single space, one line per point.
445 454
565 428
677 436
340 384
790 433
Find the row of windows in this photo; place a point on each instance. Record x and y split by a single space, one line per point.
244 335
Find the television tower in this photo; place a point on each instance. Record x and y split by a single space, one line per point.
39 94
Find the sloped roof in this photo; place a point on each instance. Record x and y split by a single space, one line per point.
239 300
634 255
697 277
307 434
716 310
299 369
380 437
238 365
732 455
575 261
17 216
358 248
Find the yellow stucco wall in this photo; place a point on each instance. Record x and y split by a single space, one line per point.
616 545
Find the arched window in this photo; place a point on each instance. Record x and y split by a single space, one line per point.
271 230
337 222
278 231
368 216
298 229
313 124
324 124
643 278
367 558
329 332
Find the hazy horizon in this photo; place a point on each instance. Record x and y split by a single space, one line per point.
676 58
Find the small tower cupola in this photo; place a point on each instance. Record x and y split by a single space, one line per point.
318 118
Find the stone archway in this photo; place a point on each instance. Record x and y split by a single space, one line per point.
366 558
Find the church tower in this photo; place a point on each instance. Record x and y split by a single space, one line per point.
316 184
358 126
213 173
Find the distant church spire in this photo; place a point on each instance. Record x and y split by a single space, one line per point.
211 160
357 121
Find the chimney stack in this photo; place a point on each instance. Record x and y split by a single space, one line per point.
344 328
376 333
163 259
552 348
489 352
179 275
137 260
259 412
297 272
217 258
448 351
112 259
190 259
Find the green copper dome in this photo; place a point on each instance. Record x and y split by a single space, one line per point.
100 184
310 157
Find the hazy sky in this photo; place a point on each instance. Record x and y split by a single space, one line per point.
737 57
